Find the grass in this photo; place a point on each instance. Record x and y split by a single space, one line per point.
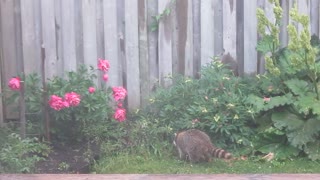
126 163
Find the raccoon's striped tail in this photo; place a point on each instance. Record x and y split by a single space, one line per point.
221 153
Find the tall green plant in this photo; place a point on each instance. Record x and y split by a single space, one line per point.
290 106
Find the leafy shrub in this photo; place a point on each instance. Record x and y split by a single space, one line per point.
80 110
89 118
289 114
20 155
214 103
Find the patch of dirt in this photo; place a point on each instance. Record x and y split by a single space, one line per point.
68 159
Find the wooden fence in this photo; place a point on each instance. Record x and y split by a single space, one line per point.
189 33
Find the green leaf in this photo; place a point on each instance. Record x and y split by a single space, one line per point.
286 120
278 101
308 102
313 150
265 44
299 131
298 87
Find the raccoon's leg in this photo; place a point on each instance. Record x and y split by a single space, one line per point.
181 154
193 157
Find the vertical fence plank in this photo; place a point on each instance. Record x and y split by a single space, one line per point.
152 44
100 28
1 99
18 35
239 35
31 55
58 34
218 28
143 50
68 35
49 37
229 25
314 17
79 16
207 29
165 45
89 33
132 53
184 32
196 38
9 66
285 20
250 36
1 75
112 42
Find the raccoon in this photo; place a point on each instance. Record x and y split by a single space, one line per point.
231 63
195 145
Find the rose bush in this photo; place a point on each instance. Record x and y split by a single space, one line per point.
79 108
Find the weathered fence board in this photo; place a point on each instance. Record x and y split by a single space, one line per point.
111 41
89 33
49 38
314 17
30 39
143 49
58 34
152 44
229 27
9 66
165 45
285 21
218 29
250 36
68 35
142 52
196 37
1 65
132 53
207 29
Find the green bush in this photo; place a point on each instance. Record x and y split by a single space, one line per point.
214 103
20 155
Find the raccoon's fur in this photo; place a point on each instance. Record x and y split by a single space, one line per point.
231 63
195 146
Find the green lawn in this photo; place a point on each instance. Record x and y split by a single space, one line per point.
126 163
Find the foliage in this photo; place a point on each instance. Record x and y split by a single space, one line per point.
20 155
88 119
213 103
166 12
288 116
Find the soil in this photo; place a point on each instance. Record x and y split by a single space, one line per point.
68 159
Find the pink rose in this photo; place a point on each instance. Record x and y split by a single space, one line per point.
91 90
105 77
103 65
119 93
72 98
57 103
14 84
120 114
